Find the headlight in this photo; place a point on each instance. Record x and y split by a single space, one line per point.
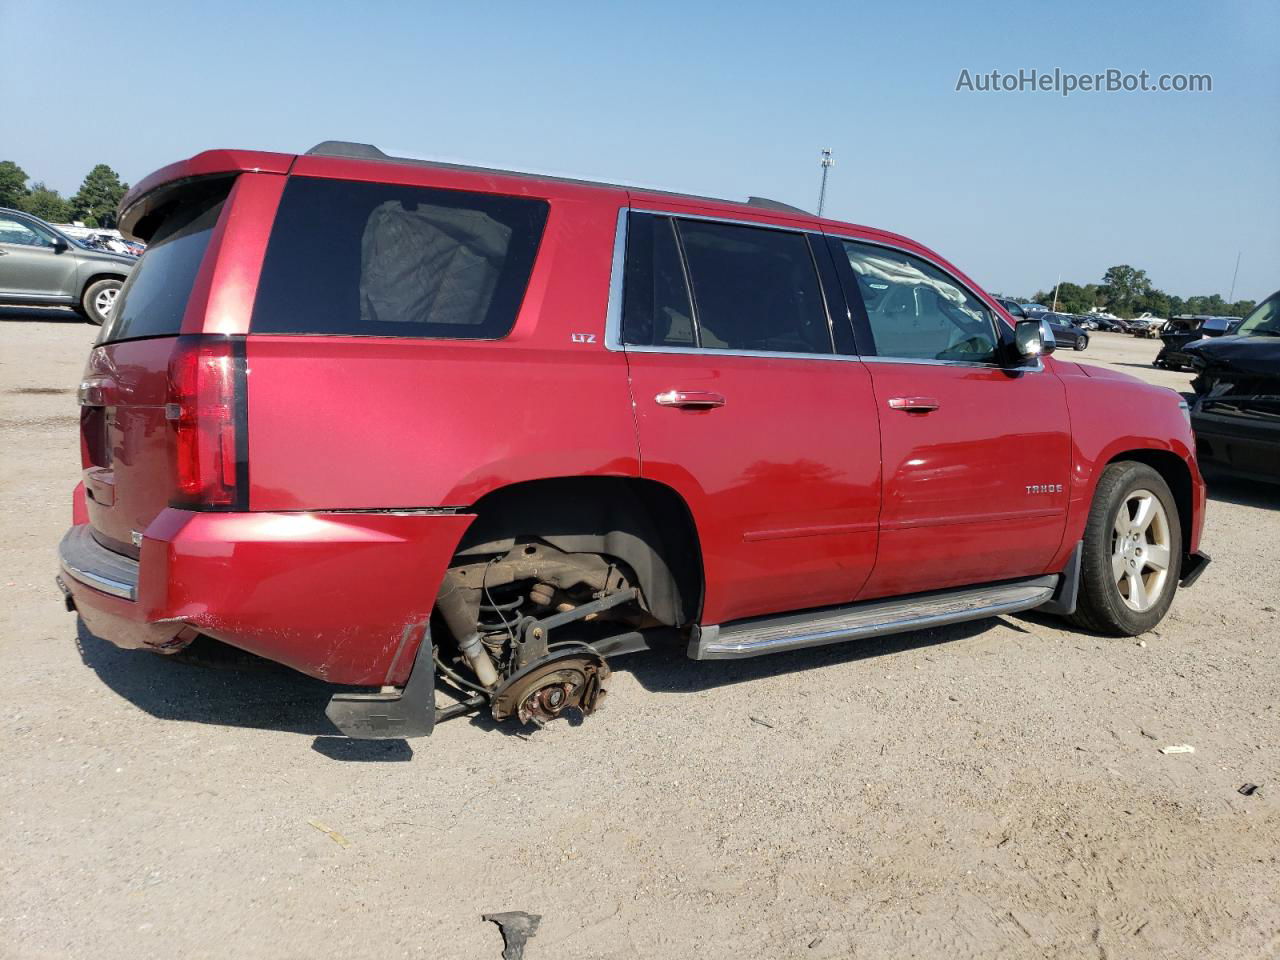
1185 408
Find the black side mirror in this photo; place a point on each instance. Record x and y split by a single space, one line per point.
59 245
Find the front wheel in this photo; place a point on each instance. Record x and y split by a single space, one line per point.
1132 552
1081 342
99 299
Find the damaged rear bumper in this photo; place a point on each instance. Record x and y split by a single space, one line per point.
333 595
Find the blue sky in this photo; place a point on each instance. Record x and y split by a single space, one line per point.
716 98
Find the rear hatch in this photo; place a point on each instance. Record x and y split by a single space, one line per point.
130 421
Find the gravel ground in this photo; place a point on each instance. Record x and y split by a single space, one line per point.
988 790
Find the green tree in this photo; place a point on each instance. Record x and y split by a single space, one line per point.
96 201
1122 285
13 184
47 204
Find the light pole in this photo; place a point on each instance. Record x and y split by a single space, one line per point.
827 164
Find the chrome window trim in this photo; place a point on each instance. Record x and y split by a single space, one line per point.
613 310
613 313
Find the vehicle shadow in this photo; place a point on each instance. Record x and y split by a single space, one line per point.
1226 488
44 314
218 685
670 670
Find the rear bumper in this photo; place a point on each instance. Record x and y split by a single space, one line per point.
329 594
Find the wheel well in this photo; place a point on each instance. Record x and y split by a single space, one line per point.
101 276
1175 473
645 524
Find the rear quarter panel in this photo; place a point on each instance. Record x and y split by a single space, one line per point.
369 423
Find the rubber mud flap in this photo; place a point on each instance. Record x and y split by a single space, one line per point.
397 715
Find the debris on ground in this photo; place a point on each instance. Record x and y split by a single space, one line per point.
763 723
1248 789
517 929
331 833
1179 748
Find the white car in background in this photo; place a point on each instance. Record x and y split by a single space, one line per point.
1148 325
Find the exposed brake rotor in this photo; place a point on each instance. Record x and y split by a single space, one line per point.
544 690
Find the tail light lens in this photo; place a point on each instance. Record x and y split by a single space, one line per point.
206 411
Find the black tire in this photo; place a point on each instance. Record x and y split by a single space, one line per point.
1081 342
89 303
1101 608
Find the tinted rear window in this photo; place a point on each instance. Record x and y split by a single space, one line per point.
154 298
371 259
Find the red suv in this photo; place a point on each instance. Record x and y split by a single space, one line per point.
429 429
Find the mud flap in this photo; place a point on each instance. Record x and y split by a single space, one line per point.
396 714
1065 597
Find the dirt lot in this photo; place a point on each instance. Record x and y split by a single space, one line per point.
988 790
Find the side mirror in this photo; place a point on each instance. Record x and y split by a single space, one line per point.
59 245
1033 338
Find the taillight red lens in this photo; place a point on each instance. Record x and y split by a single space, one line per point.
205 403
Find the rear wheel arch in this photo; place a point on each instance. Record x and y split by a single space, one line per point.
643 523
108 275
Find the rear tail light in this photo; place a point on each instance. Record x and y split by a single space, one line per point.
206 411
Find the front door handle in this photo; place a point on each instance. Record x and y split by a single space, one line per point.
690 399
914 404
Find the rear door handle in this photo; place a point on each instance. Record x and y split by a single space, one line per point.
690 399
914 404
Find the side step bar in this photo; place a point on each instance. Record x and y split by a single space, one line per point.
874 618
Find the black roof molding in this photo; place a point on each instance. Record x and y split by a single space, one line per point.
766 204
345 148
367 151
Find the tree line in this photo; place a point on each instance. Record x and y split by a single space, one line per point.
94 204
1127 292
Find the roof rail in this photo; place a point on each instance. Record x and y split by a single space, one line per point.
765 203
345 148
367 151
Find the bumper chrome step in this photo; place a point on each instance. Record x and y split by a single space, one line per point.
84 559
874 618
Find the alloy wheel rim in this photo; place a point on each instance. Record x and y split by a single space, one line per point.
105 300
1140 550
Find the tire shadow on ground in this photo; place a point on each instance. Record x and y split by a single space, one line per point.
40 314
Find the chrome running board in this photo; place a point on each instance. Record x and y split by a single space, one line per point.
874 618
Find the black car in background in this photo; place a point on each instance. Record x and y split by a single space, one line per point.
1188 328
1236 414
1066 331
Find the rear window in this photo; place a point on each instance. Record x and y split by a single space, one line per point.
372 259
154 298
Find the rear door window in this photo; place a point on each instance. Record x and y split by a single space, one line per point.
754 288
372 259
154 298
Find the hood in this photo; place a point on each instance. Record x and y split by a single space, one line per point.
106 256
1106 373
1254 356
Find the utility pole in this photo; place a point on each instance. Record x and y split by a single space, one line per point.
827 164
1231 297
1055 293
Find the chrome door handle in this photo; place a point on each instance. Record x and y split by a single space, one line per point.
914 404
690 399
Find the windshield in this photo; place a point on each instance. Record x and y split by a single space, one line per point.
1265 318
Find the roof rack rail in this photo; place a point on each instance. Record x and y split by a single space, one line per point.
346 148
367 151
766 204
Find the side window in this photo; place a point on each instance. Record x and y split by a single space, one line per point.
754 289
916 311
17 232
655 304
